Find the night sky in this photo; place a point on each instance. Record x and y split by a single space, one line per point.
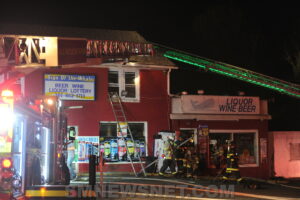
248 34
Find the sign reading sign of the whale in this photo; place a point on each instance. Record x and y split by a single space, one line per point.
70 87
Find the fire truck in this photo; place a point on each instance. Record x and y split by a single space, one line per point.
32 138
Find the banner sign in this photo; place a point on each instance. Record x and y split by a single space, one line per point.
203 130
70 87
87 145
204 104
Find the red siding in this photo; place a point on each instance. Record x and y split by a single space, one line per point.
152 108
262 171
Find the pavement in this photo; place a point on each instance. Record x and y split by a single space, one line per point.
292 182
279 189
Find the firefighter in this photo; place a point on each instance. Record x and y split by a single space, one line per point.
179 156
168 156
189 162
195 164
232 169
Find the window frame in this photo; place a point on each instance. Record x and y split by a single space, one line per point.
130 122
122 85
195 134
256 146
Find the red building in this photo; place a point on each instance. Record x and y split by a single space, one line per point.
242 119
81 67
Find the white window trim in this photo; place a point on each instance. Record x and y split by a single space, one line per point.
256 147
135 122
121 78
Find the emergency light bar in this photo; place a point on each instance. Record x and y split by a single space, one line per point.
6 163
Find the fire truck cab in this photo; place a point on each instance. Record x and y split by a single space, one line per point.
32 137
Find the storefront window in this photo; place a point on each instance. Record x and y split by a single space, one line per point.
218 149
113 145
108 130
246 147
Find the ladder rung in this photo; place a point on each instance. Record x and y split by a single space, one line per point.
121 118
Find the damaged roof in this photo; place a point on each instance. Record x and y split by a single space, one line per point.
72 32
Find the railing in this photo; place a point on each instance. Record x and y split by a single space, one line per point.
16 50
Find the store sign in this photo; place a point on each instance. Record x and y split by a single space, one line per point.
70 87
204 104
87 145
71 51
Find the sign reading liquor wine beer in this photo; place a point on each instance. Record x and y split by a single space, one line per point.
70 87
204 104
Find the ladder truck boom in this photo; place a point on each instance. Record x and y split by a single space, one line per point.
232 71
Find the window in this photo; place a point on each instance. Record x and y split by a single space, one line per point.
113 80
294 151
125 83
246 147
114 147
109 129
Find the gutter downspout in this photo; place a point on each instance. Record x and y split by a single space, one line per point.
169 98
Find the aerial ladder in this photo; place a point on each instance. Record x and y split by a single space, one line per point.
231 71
